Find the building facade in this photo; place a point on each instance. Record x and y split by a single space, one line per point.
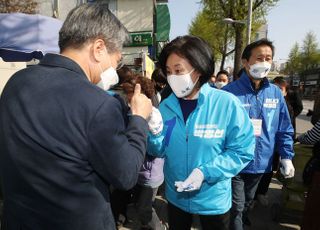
148 22
308 82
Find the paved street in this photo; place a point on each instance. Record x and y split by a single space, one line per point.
303 122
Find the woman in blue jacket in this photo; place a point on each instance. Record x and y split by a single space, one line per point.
206 140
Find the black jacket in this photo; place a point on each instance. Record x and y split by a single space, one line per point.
295 101
63 141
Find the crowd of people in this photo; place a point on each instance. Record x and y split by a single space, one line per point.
81 139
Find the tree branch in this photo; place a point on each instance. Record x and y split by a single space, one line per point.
230 52
257 4
223 6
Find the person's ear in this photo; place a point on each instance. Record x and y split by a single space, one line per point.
98 49
245 63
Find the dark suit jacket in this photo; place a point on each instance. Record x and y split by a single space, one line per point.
63 141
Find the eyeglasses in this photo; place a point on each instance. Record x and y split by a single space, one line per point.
120 64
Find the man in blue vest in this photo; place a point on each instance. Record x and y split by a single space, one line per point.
268 112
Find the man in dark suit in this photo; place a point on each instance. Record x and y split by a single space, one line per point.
63 140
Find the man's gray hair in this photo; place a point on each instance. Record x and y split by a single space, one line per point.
88 22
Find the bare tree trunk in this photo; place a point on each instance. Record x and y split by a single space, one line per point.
223 59
238 50
225 46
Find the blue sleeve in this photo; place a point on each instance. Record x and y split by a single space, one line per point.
239 147
284 136
157 143
155 146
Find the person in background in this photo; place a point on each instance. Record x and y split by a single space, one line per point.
212 80
295 100
145 193
160 82
269 115
119 199
222 79
63 140
163 90
151 172
292 98
125 74
310 137
315 113
263 186
283 86
206 140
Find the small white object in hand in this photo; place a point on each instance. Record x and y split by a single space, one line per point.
155 121
192 183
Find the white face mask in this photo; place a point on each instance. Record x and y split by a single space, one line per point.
109 77
220 84
260 70
181 85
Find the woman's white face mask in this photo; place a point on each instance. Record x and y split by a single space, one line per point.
109 77
181 85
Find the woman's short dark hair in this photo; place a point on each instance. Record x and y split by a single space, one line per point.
246 54
195 50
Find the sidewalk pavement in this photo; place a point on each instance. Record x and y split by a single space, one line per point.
302 121
262 217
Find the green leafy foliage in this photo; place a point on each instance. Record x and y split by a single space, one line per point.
310 53
305 58
294 63
209 24
211 31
